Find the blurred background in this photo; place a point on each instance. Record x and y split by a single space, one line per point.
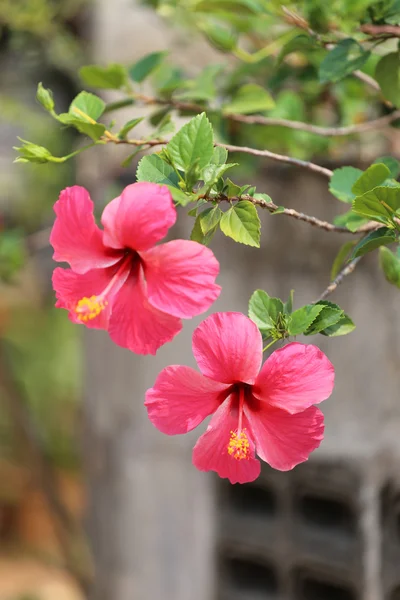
94 502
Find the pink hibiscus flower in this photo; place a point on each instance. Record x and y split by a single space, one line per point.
269 411
119 280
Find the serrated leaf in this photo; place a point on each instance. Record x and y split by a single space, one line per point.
344 326
341 256
392 164
93 130
123 132
342 181
86 104
264 310
330 315
375 175
387 74
381 237
249 98
193 143
112 77
347 56
154 169
242 224
302 318
378 203
145 66
212 172
197 234
210 218
390 264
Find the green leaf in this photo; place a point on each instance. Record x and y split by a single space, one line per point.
220 37
392 164
112 77
350 220
145 66
347 56
165 127
231 189
193 142
246 7
390 264
341 256
375 175
249 98
301 43
127 161
344 326
219 156
197 234
93 130
264 310
12 254
288 306
302 318
211 173
180 197
123 132
242 224
342 181
264 197
210 218
378 203
154 169
329 316
381 237
387 74
203 88
45 97
86 104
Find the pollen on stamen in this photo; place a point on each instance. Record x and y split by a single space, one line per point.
87 309
239 446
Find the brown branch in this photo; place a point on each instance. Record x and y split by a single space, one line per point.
66 528
290 212
379 123
279 158
378 30
347 270
271 121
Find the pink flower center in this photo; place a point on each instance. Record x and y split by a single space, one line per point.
239 445
87 309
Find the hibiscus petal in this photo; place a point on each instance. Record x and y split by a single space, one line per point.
228 348
211 450
295 377
71 287
75 237
136 324
181 399
180 277
284 440
140 217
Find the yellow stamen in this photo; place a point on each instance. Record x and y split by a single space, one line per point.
89 308
239 446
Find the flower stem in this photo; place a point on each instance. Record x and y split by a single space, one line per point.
269 345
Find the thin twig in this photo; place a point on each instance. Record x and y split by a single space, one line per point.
66 528
375 124
378 30
347 270
279 158
290 212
